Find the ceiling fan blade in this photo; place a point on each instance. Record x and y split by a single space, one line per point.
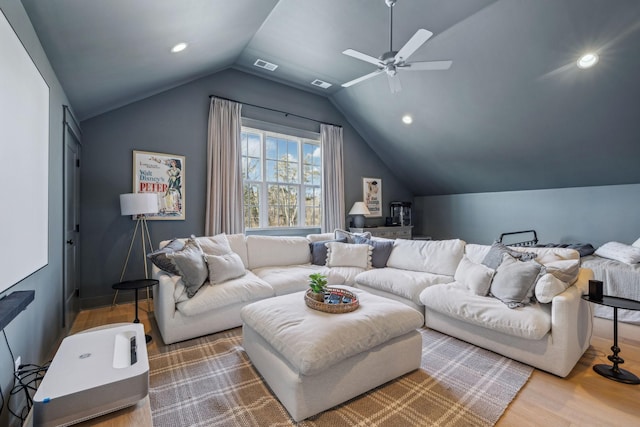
412 45
394 84
360 79
425 66
363 57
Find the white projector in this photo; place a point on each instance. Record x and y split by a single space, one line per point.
93 373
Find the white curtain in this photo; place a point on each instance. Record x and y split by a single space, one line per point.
224 213
332 178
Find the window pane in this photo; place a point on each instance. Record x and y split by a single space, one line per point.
254 171
243 143
272 171
253 147
272 148
293 150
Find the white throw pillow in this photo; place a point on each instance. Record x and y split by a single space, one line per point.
348 255
476 277
215 245
636 244
619 252
548 286
224 267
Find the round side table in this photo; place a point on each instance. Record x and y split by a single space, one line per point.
615 372
136 285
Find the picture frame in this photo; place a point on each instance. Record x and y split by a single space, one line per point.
372 196
163 174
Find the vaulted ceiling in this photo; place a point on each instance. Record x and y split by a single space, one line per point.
513 112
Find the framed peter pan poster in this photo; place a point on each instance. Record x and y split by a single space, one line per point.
162 174
372 195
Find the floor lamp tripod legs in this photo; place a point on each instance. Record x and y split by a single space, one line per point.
141 223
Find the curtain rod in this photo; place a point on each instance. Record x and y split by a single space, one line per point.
274 110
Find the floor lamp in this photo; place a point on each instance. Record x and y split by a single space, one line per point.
138 205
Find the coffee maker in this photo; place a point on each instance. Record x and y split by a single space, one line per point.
400 213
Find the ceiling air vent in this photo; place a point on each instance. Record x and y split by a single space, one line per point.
320 83
264 64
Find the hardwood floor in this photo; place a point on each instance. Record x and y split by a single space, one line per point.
583 398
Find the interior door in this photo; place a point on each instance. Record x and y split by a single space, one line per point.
72 152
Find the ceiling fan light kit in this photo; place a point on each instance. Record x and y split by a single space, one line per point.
393 61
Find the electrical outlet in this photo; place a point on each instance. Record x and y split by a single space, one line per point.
17 364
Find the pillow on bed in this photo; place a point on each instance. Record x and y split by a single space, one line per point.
348 255
619 252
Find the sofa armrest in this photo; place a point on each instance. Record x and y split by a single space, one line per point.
571 316
164 305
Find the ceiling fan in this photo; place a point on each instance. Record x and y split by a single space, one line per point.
393 61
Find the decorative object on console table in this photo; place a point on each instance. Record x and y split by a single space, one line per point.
394 232
372 195
139 205
164 175
400 213
358 211
614 372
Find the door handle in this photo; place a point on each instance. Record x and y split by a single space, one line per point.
70 242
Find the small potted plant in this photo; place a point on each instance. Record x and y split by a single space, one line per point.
318 284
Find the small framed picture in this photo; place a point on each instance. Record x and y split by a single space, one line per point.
162 174
372 196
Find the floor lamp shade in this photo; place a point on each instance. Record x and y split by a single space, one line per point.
138 203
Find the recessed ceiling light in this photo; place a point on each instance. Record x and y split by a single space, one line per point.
179 47
587 60
407 119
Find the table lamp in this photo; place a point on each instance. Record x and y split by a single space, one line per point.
358 211
138 205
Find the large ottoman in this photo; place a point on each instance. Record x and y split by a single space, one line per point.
313 360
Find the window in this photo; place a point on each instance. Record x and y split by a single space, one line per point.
281 180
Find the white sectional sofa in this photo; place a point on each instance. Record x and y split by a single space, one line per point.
426 275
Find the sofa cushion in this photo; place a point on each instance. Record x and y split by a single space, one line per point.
319 237
381 249
224 267
319 250
159 257
292 329
292 278
476 277
453 299
238 244
514 281
191 266
247 288
430 256
548 286
404 283
268 251
348 255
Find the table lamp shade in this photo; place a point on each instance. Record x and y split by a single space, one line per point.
138 203
359 208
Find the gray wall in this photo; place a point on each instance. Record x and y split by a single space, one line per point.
35 332
593 215
175 122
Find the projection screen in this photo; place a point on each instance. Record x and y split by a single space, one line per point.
24 161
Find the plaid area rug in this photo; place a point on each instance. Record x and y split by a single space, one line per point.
210 381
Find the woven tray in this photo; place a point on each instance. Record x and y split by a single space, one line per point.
333 308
